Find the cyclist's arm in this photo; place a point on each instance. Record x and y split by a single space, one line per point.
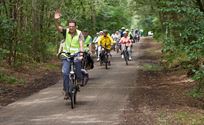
121 41
58 26
57 17
81 39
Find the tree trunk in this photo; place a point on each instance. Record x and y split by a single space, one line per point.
35 29
200 4
93 10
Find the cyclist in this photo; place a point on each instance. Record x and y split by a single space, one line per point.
98 47
117 39
73 44
87 40
121 31
94 44
131 38
106 42
137 35
125 41
88 49
130 35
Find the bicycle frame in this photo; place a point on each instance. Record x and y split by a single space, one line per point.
72 74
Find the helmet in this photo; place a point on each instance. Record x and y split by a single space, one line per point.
101 32
85 30
123 28
105 31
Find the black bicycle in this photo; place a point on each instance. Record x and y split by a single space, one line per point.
126 55
104 55
73 86
85 67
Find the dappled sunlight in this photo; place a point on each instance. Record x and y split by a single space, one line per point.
183 81
90 97
91 121
180 80
46 92
74 119
37 101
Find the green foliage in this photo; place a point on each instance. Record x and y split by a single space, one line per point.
196 93
188 118
179 25
185 21
152 67
27 29
10 79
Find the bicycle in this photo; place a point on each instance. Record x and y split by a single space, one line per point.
84 64
73 85
126 55
104 57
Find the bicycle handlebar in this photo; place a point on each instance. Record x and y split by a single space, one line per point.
69 55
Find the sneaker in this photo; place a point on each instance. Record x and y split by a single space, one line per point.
122 56
98 59
130 58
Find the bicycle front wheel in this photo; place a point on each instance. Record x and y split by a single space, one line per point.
72 93
125 53
73 98
106 61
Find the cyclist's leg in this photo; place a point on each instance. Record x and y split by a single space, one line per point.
99 51
96 49
82 74
109 56
65 72
122 49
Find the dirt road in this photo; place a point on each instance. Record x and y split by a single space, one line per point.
101 102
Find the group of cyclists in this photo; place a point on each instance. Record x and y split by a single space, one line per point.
118 41
76 41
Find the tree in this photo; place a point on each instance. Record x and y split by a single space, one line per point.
179 25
